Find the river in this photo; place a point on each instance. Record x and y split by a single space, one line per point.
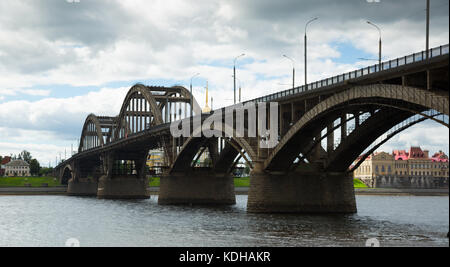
52 220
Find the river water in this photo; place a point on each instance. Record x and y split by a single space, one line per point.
52 220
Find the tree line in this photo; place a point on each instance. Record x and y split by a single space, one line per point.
35 167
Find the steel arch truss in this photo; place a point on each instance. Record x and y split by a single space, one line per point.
147 106
96 132
378 108
225 152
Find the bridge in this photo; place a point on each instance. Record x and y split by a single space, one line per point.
324 128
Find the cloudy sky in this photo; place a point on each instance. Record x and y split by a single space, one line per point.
60 61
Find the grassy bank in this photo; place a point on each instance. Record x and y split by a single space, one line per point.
245 182
33 181
153 182
359 184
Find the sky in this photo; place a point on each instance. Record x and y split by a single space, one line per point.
61 60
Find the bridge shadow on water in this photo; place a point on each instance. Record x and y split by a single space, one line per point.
206 225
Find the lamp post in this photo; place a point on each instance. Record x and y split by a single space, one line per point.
293 70
379 46
306 52
428 29
234 75
239 89
192 96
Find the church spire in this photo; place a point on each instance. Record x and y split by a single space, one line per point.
206 109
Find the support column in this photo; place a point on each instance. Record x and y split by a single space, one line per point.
199 187
330 138
83 181
300 192
343 127
123 186
82 187
357 121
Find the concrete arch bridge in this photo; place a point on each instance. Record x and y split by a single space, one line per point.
322 130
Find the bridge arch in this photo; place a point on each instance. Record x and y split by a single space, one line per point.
183 92
392 103
139 111
66 175
91 135
234 147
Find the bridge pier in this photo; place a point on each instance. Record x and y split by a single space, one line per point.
199 187
82 187
300 192
122 187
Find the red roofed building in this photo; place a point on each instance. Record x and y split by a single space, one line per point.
414 168
439 157
5 161
400 154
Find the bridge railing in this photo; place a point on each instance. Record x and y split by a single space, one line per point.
391 64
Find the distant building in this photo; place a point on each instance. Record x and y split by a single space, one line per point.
409 169
155 161
17 168
5 161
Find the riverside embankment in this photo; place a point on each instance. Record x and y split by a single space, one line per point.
61 190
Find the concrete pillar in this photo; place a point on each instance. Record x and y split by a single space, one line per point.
300 192
123 187
197 188
82 187
330 138
357 120
343 127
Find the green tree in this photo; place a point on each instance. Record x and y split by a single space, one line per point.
45 171
247 169
34 167
26 156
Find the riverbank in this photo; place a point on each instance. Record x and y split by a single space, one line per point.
61 190
18 182
401 192
33 191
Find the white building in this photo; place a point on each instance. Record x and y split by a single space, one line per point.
17 168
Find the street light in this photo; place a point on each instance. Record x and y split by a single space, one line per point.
240 88
192 96
306 52
293 70
234 75
379 48
428 29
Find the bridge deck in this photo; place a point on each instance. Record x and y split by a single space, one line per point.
395 68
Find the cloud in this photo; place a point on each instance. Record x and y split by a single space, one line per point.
429 135
95 43
31 92
64 116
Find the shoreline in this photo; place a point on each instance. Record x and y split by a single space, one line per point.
39 191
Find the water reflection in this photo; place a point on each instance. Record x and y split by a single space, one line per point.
51 220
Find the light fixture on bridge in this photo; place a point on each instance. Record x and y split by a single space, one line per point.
306 52
379 44
293 70
234 75
192 96
240 88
